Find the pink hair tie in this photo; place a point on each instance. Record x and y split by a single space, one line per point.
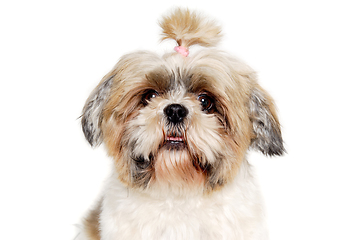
182 50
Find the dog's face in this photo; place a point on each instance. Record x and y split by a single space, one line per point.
180 124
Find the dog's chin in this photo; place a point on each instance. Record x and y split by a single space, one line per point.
175 171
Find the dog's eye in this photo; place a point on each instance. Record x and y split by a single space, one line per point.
148 96
206 102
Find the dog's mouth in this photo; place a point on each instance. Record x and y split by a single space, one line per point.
175 139
174 142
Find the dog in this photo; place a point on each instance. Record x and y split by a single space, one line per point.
178 128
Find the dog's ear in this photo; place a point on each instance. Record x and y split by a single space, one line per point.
267 130
93 112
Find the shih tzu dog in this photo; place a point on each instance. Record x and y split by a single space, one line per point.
178 128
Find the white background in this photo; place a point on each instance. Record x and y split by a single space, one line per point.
53 53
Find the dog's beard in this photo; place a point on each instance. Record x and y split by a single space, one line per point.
167 162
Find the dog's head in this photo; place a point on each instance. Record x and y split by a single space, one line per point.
180 122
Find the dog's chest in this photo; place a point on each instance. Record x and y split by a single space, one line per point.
198 219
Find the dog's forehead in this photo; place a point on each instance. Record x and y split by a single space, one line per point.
164 80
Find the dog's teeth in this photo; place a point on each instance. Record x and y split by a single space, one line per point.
176 139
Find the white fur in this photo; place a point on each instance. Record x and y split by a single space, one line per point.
234 212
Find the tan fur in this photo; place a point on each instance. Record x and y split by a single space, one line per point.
113 132
91 223
189 28
176 168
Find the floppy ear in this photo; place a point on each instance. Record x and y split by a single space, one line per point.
93 112
267 130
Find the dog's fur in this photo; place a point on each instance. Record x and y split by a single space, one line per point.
178 129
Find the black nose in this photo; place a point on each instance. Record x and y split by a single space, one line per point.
175 113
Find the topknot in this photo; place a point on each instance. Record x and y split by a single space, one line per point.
188 28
